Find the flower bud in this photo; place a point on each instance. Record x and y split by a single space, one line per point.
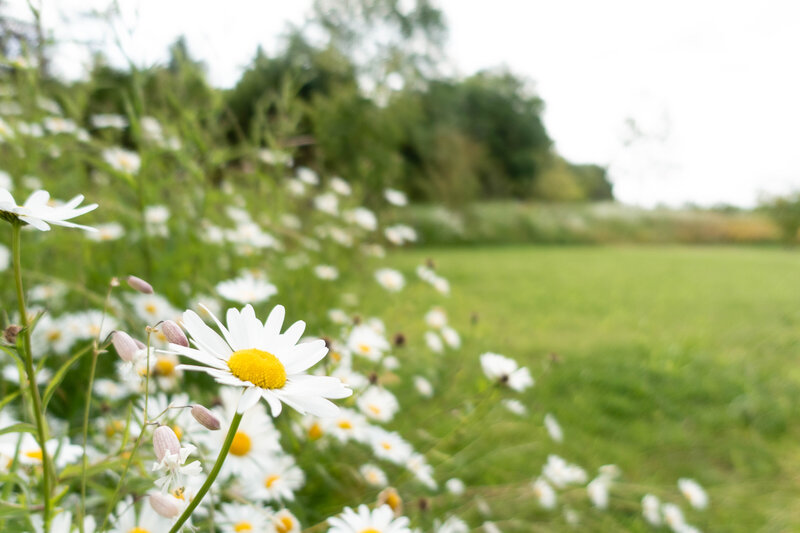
390 497
165 441
140 345
140 285
125 345
174 333
205 417
164 504
10 333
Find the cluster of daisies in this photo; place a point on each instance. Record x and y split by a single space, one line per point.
215 417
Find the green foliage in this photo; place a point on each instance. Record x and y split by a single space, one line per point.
785 211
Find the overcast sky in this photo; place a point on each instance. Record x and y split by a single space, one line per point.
713 85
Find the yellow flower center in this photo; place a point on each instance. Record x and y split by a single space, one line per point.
116 426
178 431
271 481
35 454
374 408
336 356
315 431
393 500
54 336
179 493
370 530
345 424
243 526
386 445
139 530
150 308
284 525
258 367
165 367
241 444
364 348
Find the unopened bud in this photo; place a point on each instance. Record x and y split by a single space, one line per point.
390 497
165 441
205 417
140 344
10 333
164 504
174 333
125 345
140 285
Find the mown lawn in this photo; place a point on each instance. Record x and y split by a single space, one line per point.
668 362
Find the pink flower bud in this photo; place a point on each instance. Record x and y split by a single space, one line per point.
174 333
165 441
205 417
125 345
140 285
140 344
164 504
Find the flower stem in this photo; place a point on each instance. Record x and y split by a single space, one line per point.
41 424
212 476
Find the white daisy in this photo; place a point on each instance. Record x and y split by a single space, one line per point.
515 406
553 428
147 520
373 475
389 445
378 404
242 518
651 510
598 491
39 213
340 186
285 522
327 203
380 520
455 486
423 386
123 160
366 342
506 371
307 176
246 289
108 232
693 492
390 279
451 337
363 217
544 493
326 272
436 318
395 197
434 342
108 120
276 480
264 362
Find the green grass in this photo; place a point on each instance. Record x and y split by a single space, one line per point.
669 362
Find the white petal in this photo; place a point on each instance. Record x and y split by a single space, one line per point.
249 399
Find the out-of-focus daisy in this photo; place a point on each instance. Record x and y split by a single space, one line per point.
108 232
152 308
395 197
246 289
276 480
553 428
515 406
597 489
242 518
285 522
390 279
506 371
123 160
347 425
327 203
340 186
544 493
5 258
389 445
156 217
380 520
108 120
651 510
373 475
560 473
400 234
693 492
274 157
326 272
362 217
423 386
455 486
307 176
436 318
127 520
39 211
417 465
452 525
366 342
58 125
262 361
378 404
434 342
338 316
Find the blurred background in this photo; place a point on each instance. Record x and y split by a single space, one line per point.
613 188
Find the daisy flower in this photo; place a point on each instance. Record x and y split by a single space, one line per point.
241 518
436 318
327 203
380 520
127 520
152 308
693 492
390 279
395 197
246 289
451 337
506 371
307 176
651 509
378 404
123 160
544 493
390 446
348 424
108 232
277 480
285 522
373 475
515 406
340 186
553 428
262 361
363 217
423 386
39 212
597 489
434 342
366 342
326 272
455 486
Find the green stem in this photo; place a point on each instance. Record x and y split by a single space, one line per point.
41 424
212 476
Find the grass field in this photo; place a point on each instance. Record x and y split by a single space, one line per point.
668 362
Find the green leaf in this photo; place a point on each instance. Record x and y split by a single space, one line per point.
59 376
20 427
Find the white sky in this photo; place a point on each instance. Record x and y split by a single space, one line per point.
714 85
